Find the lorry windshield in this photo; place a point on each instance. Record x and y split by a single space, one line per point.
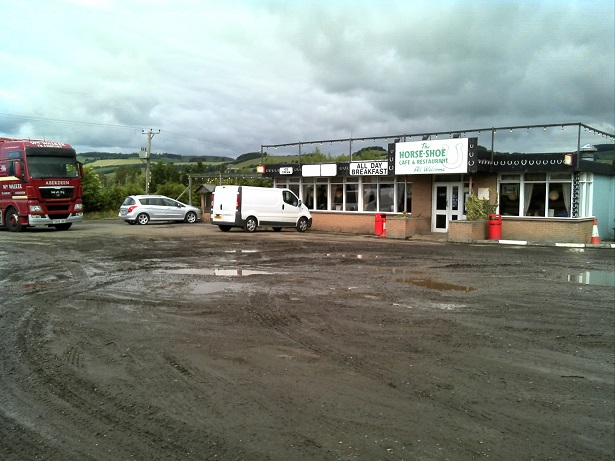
52 163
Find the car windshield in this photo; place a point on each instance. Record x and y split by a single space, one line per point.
56 163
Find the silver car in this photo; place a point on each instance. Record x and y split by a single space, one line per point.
141 209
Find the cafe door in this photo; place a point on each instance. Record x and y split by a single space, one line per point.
447 205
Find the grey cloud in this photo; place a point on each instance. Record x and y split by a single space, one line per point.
225 78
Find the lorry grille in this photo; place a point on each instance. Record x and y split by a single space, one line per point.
57 192
58 207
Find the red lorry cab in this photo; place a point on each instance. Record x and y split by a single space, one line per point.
40 184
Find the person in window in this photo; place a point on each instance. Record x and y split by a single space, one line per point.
309 200
539 209
322 200
338 199
370 202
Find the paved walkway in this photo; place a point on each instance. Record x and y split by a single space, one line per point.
443 237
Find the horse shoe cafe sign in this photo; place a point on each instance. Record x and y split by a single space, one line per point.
432 157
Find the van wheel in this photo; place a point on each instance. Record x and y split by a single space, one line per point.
277 229
302 224
251 224
225 228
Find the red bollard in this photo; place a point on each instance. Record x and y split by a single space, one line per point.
495 227
380 228
379 225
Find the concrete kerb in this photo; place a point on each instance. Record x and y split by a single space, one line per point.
547 244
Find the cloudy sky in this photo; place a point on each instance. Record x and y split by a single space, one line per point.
223 78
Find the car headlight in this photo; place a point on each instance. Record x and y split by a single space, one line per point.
36 209
78 206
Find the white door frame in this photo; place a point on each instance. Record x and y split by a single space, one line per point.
447 204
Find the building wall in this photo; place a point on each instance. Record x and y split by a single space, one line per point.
604 205
421 195
352 223
488 181
548 230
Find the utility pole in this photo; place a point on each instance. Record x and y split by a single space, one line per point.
148 152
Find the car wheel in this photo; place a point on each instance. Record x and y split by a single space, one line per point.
225 228
142 218
190 217
251 224
277 229
302 224
11 220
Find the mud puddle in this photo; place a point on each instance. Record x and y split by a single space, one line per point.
602 278
434 284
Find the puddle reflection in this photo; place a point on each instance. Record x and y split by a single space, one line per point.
434 284
239 272
236 272
602 278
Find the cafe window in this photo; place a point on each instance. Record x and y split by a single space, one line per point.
535 194
585 194
308 195
370 194
322 194
386 196
337 195
351 190
509 198
404 195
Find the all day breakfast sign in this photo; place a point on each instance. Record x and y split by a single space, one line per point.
432 157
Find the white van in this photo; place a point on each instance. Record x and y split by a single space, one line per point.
249 207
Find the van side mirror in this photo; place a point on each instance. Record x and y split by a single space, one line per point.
300 203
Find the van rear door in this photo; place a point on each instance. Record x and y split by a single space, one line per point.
224 206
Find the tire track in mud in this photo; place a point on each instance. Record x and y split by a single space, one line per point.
280 319
306 343
56 388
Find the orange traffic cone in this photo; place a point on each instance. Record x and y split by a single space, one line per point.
595 236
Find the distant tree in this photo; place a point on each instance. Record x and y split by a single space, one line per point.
93 193
170 189
125 175
317 156
162 173
115 195
248 156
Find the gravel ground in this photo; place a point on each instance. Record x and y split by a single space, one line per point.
169 341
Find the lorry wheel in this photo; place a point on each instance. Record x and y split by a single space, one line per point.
65 226
302 224
11 220
142 218
251 224
224 228
190 217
